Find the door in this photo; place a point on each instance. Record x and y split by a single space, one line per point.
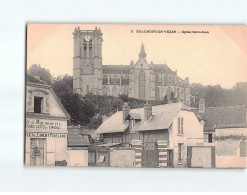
91 158
201 157
37 151
150 158
170 158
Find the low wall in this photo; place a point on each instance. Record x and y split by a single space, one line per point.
229 154
77 158
122 158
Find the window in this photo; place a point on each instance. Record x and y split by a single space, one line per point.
125 90
104 90
157 79
180 126
87 88
38 104
132 124
180 146
142 85
169 92
157 93
210 138
114 91
85 51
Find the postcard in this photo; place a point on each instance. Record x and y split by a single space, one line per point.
141 96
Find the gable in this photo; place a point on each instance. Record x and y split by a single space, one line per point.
51 106
142 64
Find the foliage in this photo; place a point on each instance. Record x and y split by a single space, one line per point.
44 74
165 99
218 96
80 111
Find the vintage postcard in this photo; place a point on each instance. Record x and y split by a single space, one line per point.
120 95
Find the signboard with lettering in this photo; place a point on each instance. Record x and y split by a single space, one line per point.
44 124
45 135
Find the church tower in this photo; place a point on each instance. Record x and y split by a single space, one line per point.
87 61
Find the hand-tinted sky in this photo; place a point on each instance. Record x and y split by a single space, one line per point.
219 57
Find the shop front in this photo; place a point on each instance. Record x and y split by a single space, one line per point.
46 127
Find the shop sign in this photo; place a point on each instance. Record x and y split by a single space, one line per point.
46 135
44 124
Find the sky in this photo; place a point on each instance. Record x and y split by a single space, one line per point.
216 57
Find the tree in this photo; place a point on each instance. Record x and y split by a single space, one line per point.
172 97
44 74
165 99
215 95
80 110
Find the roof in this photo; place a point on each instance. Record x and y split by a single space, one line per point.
116 69
35 79
76 139
223 117
162 118
32 81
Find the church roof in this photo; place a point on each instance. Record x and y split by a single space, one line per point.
116 69
223 117
158 68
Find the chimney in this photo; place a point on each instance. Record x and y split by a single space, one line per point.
147 111
126 110
202 107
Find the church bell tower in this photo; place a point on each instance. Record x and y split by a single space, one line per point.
87 61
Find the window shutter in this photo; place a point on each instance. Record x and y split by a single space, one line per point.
182 125
178 125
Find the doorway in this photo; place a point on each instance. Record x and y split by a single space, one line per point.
37 151
170 158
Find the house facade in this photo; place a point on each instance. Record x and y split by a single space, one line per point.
160 134
140 79
225 127
46 134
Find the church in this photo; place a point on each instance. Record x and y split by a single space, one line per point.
140 79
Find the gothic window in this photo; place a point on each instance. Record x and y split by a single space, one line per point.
165 80
125 90
142 85
105 80
104 90
114 91
85 50
156 79
157 93
90 49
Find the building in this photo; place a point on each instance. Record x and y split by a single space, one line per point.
159 134
46 134
140 79
226 128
